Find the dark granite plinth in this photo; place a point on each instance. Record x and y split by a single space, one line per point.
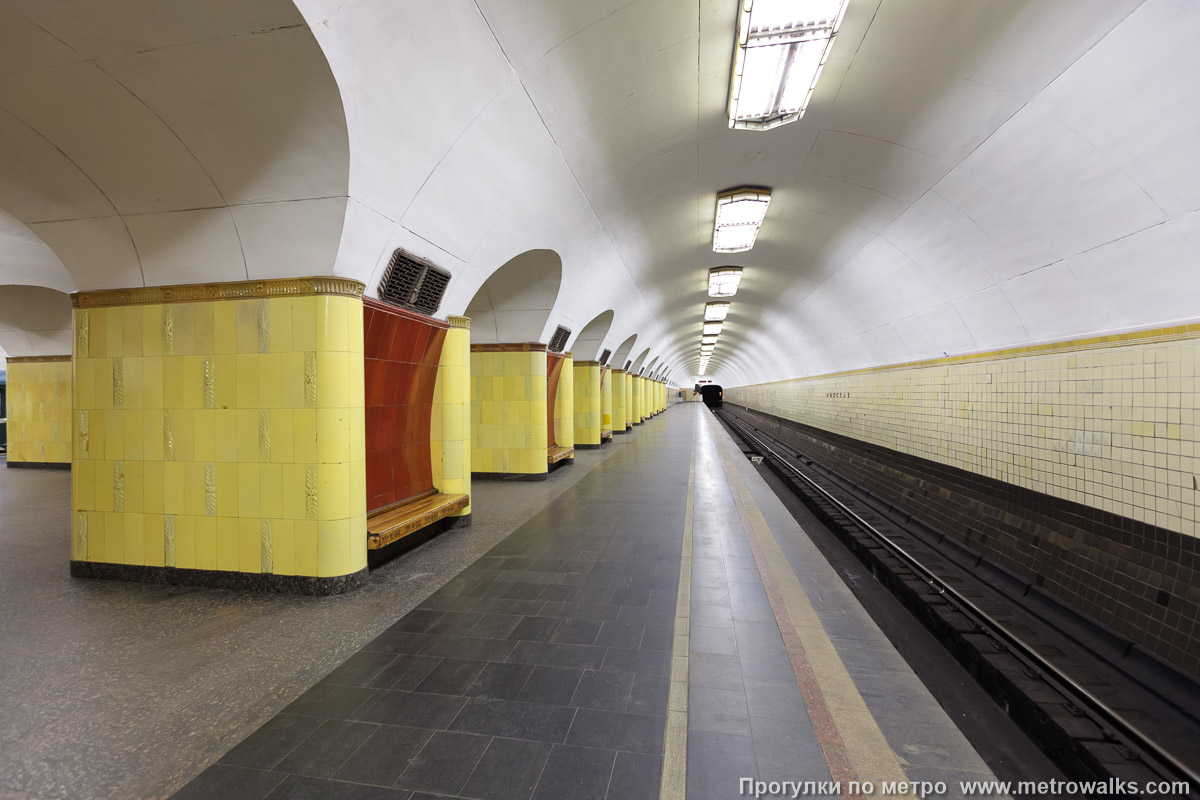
220 579
509 476
589 446
38 464
622 432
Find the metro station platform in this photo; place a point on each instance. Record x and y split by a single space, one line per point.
652 614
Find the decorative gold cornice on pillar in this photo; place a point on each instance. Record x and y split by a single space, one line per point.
36 359
587 363
206 292
618 371
459 322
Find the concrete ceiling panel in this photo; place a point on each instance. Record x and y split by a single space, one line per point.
188 246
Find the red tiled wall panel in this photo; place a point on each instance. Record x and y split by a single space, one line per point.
402 351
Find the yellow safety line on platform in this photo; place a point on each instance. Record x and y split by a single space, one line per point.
674 771
866 747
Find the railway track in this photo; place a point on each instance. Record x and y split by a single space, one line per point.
1092 718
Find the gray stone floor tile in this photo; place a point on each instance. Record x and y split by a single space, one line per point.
717 641
717 711
787 749
715 671
716 762
576 773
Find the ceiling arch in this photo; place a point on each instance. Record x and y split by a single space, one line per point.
621 358
592 339
34 321
514 303
171 143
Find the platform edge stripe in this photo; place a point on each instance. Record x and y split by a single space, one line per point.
673 782
862 740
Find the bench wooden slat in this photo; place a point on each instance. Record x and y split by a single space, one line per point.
385 527
558 453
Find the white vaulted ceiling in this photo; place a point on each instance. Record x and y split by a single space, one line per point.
170 142
971 174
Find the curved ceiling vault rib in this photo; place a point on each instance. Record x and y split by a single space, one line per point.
200 143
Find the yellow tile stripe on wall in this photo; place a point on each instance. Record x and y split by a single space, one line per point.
1112 426
39 410
222 435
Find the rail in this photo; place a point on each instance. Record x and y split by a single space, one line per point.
1151 753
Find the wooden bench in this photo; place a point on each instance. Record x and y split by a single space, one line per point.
556 453
395 522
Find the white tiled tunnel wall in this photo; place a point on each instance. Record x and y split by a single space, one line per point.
1108 424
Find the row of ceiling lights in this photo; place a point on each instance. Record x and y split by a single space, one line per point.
782 46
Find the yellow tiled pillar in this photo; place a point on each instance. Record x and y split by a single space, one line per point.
588 404
629 401
508 410
218 435
606 405
450 422
564 405
39 411
620 403
638 386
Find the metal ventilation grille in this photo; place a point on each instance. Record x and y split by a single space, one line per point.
605 356
410 282
628 364
558 342
429 293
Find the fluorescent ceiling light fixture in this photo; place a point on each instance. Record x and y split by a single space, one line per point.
708 340
712 328
723 281
715 312
706 349
782 46
740 213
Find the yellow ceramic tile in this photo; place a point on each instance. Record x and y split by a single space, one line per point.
153 382
333 481
247 390
333 548
228 487
304 326
188 544
207 542
153 496
283 547
270 380
174 479
228 549
304 435
246 324
333 330
333 372
333 435
271 490
280 310
305 539
153 549
225 381
250 545
135 533
292 380
249 482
